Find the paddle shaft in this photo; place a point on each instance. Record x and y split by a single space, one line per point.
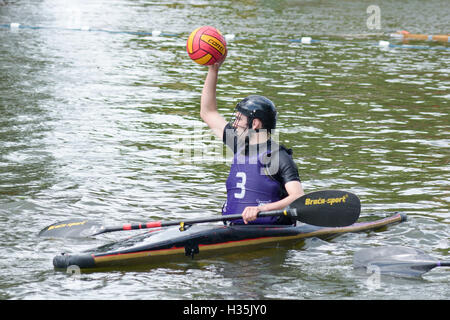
397 261
158 224
407 268
443 264
327 208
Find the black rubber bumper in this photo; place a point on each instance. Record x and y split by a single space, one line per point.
63 261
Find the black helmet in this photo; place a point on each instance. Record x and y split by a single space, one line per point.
258 107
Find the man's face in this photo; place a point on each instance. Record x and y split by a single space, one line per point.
240 123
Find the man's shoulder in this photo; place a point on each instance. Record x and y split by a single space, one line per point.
280 149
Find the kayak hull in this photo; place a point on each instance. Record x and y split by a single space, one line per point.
171 244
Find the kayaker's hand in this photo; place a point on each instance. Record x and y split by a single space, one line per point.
250 214
216 66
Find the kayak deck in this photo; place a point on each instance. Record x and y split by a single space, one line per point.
203 240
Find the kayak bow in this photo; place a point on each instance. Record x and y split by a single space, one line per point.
404 35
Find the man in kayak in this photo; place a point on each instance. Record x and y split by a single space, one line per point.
263 175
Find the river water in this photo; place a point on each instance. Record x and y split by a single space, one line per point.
101 122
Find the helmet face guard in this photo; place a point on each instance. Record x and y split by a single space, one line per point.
256 107
236 118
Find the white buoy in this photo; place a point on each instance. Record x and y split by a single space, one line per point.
14 25
156 33
306 40
85 28
230 36
383 43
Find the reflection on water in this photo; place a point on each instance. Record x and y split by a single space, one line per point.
106 125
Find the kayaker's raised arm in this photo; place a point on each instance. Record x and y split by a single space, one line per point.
252 186
208 104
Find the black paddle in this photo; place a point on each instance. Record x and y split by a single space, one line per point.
396 261
329 208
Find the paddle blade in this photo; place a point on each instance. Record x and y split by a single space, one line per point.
395 261
328 208
72 229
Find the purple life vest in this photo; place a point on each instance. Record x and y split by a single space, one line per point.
248 185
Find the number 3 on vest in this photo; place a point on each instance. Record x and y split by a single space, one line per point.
240 185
